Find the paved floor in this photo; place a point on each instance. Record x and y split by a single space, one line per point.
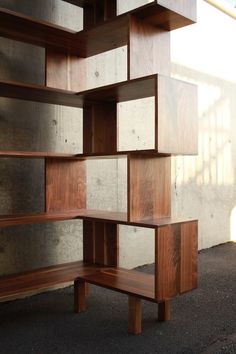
203 322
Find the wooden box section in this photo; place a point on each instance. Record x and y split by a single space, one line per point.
100 243
176 259
65 187
43 278
148 49
149 187
177 117
114 33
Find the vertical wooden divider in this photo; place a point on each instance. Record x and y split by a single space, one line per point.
149 187
101 240
99 11
148 49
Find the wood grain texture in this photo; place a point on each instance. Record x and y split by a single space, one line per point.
189 256
187 8
176 259
37 155
79 296
103 37
27 219
164 311
101 243
87 215
99 11
153 43
168 15
149 187
129 282
177 117
64 71
167 262
43 278
65 185
100 128
135 315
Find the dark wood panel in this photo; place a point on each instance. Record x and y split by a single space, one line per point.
168 14
43 278
109 35
125 281
24 219
149 187
100 128
65 185
153 43
64 71
167 262
37 93
101 243
87 215
177 117
189 256
37 155
176 259
99 11
135 315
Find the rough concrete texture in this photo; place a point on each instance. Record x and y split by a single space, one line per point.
203 321
202 187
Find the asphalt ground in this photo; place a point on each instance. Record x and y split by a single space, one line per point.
202 322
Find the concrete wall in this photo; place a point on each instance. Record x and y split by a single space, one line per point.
203 187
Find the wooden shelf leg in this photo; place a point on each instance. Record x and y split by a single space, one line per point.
164 311
135 315
79 296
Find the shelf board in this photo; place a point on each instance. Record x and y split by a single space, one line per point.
125 281
38 93
24 219
43 278
37 155
85 214
118 92
88 42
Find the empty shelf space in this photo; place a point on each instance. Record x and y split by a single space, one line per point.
125 281
43 278
88 42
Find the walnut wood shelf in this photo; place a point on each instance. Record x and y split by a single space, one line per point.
37 155
145 32
43 278
126 281
88 42
85 214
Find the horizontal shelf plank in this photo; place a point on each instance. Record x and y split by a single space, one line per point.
80 3
25 219
85 214
86 43
125 281
38 93
37 155
118 92
43 278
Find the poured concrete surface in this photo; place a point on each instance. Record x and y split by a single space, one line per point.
203 321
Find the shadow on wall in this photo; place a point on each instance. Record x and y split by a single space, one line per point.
204 186
32 127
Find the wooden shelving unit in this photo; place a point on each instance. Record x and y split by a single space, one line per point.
148 171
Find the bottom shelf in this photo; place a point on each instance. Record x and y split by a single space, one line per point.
43 278
125 281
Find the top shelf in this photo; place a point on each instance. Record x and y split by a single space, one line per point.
165 14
